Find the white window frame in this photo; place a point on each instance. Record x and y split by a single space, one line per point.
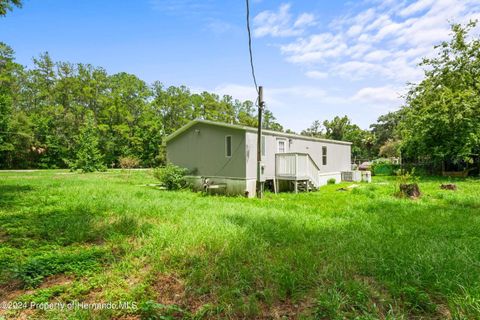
284 145
226 147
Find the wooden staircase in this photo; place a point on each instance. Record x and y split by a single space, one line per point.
306 186
300 169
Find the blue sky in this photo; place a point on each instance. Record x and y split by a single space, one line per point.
316 59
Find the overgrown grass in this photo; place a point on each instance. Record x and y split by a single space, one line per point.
361 254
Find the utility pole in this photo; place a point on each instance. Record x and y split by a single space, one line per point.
261 104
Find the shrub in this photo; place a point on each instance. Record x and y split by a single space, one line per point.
331 181
172 177
128 162
384 167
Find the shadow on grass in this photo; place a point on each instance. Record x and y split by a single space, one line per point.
38 245
421 254
64 227
10 195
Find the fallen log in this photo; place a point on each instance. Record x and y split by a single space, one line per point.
448 186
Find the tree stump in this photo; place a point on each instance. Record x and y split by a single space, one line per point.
448 186
410 190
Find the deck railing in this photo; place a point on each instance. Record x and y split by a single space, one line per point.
296 166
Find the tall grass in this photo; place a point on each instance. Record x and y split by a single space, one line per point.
323 255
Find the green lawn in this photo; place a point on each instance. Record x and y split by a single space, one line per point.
100 238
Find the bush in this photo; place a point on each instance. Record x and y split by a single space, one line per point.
384 167
331 181
172 177
128 162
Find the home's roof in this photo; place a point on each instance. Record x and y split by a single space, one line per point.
250 129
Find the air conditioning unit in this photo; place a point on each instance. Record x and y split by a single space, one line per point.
352 176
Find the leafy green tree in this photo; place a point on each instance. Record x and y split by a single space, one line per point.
337 128
385 129
246 113
315 130
442 113
7 82
390 149
44 108
269 121
7 5
88 157
341 128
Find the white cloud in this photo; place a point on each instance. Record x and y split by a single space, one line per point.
384 96
281 23
416 7
316 49
305 19
316 74
377 55
387 39
368 55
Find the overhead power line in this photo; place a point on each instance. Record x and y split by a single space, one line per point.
250 46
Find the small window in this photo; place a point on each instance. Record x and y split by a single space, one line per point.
263 146
324 156
281 146
228 146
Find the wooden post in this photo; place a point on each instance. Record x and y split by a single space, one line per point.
296 165
259 143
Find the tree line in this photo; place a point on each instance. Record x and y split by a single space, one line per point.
45 109
61 114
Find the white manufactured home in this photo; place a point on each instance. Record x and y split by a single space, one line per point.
224 156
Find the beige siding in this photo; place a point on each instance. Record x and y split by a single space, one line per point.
201 149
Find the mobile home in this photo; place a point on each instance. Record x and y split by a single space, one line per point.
224 156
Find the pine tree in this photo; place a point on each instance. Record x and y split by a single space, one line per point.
88 156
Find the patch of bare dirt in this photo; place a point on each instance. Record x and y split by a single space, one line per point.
24 314
10 291
444 312
56 280
128 317
284 310
3 236
170 290
13 290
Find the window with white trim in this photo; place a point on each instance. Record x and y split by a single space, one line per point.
281 146
324 156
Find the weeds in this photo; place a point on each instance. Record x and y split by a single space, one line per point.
321 255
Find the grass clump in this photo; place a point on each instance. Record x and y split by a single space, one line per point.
32 271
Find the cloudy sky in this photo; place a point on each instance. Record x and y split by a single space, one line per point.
316 59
